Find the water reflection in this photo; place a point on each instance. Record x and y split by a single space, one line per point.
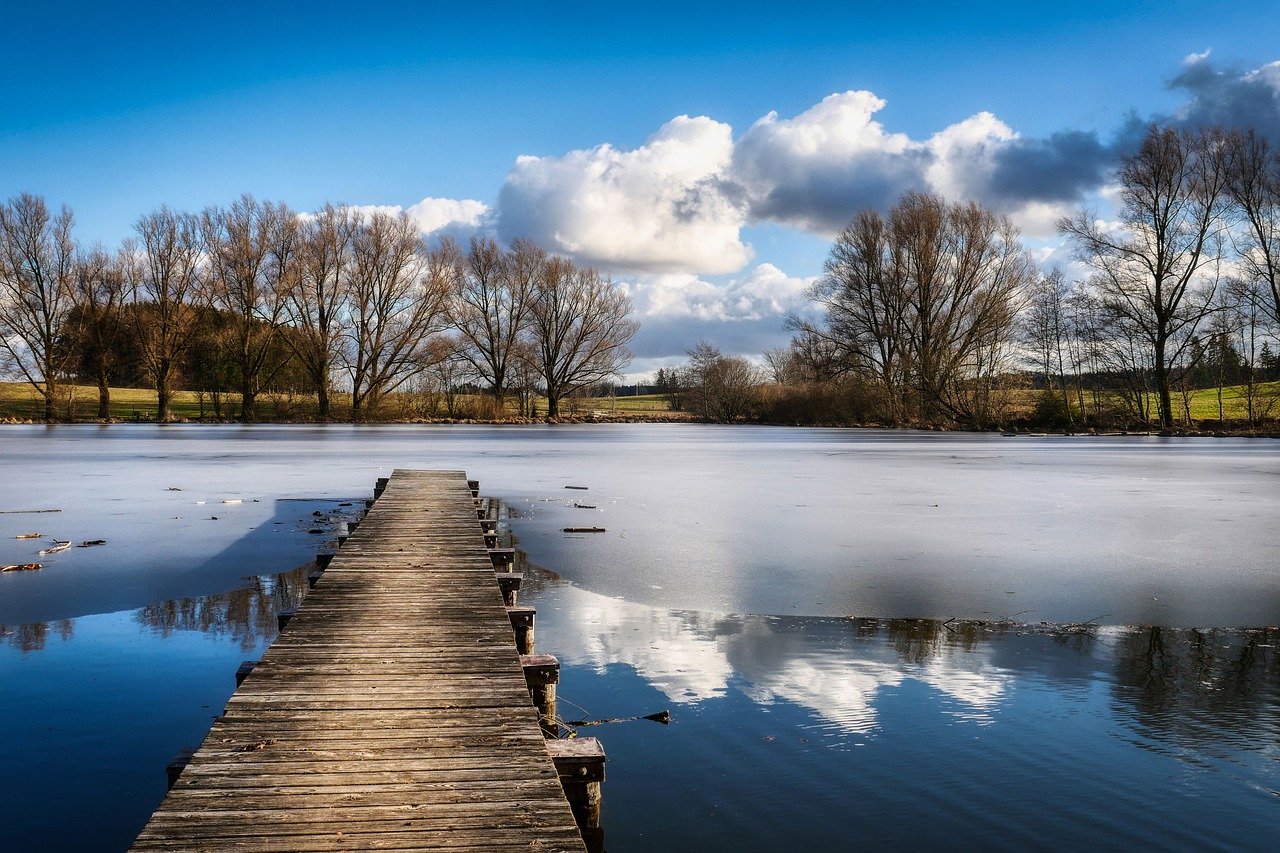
247 615
1175 684
32 637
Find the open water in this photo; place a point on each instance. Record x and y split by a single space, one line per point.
844 624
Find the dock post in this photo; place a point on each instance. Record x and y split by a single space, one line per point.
474 486
283 617
580 763
179 763
541 673
509 583
242 672
323 561
522 624
380 486
502 556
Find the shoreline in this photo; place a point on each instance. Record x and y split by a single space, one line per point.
673 418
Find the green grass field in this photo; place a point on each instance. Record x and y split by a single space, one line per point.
19 401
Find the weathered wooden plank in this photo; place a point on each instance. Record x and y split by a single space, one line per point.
391 713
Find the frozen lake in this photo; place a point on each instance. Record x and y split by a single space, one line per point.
722 588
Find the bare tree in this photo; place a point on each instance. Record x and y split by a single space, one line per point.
863 296
965 274
99 295
252 258
1152 268
1046 332
398 298
1248 312
1253 185
580 326
163 275
37 271
317 302
723 388
490 306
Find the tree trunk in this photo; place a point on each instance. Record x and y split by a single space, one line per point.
322 397
1162 387
50 390
104 397
553 403
162 399
248 399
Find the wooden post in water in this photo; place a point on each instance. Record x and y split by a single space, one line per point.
323 561
522 625
502 556
283 617
541 673
580 763
509 583
242 672
380 486
474 486
179 763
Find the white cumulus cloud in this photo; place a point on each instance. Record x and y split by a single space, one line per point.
659 207
765 291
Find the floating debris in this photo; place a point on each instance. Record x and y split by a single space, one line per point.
663 717
315 530
21 567
57 547
26 511
234 501
174 489
584 530
213 518
583 506
579 488
29 536
89 543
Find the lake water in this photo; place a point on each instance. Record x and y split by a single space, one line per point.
722 590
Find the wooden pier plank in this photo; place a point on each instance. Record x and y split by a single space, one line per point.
392 712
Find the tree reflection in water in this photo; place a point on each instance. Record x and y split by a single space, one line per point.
247 615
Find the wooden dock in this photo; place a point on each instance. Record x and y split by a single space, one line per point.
392 713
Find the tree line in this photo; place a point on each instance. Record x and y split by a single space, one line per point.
246 297
934 312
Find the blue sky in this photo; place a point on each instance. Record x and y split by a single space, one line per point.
115 110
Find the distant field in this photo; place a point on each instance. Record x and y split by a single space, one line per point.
644 404
80 402
1204 401
19 401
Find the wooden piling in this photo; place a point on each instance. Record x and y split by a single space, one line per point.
541 674
580 764
502 557
179 763
522 625
242 672
509 583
